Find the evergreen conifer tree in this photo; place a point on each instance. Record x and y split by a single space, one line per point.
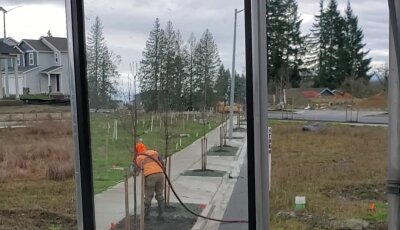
101 68
354 61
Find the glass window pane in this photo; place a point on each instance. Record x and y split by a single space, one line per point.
159 83
37 186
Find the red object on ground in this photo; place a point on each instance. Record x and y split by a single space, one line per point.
203 206
112 226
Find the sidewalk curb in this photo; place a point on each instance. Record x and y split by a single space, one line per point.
222 196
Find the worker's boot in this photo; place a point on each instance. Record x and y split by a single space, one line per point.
147 211
160 210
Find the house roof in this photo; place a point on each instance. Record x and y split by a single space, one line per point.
37 45
51 69
21 69
59 43
9 41
8 50
319 90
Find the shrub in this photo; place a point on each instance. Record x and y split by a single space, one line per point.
59 171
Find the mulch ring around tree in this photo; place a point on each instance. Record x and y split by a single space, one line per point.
239 129
175 217
35 219
234 138
205 173
226 150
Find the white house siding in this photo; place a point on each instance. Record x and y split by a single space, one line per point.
32 81
66 74
46 60
44 83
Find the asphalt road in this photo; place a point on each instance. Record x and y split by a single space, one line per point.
374 117
237 208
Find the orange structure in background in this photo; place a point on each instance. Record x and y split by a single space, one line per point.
222 108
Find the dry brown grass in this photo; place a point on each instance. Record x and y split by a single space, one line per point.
313 164
36 173
43 150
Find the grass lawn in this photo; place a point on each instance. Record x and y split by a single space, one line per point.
119 151
340 172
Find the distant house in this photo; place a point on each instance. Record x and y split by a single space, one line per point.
300 96
42 66
317 92
376 77
8 54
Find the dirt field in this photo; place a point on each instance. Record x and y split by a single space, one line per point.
35 109
378 101
36 177
340 172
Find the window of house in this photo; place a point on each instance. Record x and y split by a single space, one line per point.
18 61
31 59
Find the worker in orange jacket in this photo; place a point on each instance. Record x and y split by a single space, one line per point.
154 180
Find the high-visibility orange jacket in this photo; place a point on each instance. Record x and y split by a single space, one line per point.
140 148
150 167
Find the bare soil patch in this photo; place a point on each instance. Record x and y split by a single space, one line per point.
378 101
317 221
34 109
358 192
35 219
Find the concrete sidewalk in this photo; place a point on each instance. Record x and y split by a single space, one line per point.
219 204
110 206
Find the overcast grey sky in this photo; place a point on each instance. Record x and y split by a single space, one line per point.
127 23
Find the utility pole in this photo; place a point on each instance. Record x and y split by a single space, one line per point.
1 83
393 183
7 85
232 98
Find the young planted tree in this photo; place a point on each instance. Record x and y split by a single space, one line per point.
101 68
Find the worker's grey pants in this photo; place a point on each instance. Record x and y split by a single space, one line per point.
154 183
